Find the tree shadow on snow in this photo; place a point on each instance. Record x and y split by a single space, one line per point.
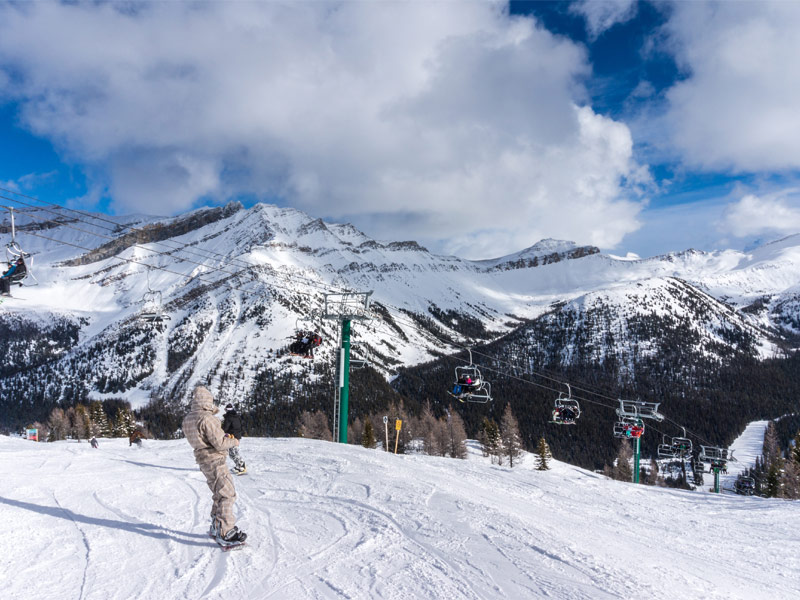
147 529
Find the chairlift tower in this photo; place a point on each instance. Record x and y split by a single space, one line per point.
345 308
718 458
637 411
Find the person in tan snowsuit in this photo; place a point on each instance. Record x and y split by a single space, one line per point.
204 433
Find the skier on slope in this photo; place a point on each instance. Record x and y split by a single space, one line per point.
204 433
232 424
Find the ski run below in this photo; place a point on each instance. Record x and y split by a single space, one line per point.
334 521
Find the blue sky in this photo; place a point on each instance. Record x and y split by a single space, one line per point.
477 128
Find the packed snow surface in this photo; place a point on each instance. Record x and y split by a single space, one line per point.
333 521
746 448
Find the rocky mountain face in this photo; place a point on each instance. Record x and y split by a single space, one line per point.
233 285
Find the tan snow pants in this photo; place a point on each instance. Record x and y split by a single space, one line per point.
220 482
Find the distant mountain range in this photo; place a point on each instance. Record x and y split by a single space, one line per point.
235 284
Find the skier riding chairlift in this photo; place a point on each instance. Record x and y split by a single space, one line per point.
15 273
567 410
304 344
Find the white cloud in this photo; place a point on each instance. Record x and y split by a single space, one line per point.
602 15
737 109
436 121
757 215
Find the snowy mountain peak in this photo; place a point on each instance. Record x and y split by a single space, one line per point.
544 252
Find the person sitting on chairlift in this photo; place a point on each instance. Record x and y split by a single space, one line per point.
305 343
14 274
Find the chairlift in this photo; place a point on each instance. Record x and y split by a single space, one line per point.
305 338
745 486
470 385
567 410
629 428
152 304
20 263
634 409
666 450
682 445
717 457
361 351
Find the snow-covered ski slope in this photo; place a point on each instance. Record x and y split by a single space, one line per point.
333 521
746 448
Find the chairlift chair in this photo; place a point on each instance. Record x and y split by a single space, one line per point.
305 337
470 385
745 486
152 304
634 409
152 309
567 410
359 363
682 445
629 428
667 450
14 253
717 457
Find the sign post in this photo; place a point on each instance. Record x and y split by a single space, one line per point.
397 425
386 428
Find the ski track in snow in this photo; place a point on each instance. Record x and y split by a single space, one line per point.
332 521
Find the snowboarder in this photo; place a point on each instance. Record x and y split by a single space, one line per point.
93 442
136 438
232 424
204 433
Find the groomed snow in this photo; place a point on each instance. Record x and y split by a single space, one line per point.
334 521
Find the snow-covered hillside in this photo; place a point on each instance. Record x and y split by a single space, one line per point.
235 284
334 521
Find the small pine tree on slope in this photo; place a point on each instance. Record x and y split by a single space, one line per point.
490 440
543 455
368 438
510 439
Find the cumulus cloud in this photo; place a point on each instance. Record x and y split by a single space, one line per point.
452 123
602 15
737 107
777 213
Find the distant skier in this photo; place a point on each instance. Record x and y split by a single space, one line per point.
136 438
232 424
93 442
204 433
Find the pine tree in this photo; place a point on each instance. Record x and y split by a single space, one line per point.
492 444
543 455
796 449
125 424
774 479
100 424
510 438
368 438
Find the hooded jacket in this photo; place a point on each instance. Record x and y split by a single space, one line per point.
203 430
232 423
